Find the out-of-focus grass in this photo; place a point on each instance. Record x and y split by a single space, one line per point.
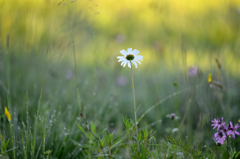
103 100
171 36
101 29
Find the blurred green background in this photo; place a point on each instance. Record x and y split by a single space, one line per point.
101 28
171 35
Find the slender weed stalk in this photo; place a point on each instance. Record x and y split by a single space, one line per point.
24 147
188 107
189 103
8 67
33 139
227 148
1 144
44 135
176 98
75 61
27 108
27 135
9 91
161 101
184 58
134 105
77 86
13 141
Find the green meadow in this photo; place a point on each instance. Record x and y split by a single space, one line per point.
69 97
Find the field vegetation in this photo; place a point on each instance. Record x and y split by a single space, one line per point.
63 93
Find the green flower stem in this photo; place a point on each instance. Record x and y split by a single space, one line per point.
13 142
218 153
227 149
135 111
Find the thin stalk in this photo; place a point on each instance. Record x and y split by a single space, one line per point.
27 134
44 136
75 68
161 101
89 149
189 102
134 104
24 147
186 111
27 108
176 99
184 58
75 61
1 143
35 128
227 149
8 67
218 153
14 154
8 92
176 102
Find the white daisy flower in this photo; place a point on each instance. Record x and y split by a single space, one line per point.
130 56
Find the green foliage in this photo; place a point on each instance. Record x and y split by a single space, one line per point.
62 54
129 127
234 154
144 138
185 147
3 145
100 133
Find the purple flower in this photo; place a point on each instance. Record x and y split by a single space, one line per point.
224 129
192 71
218 123
232 130
220 137
173 116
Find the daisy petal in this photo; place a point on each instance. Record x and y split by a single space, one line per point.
138 61
135 52
136 58
134 63
129 65
120 57
129 50
123 52
125 63
139 57
120 60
